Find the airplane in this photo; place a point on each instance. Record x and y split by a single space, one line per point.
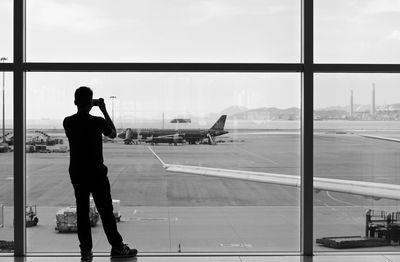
192 136
372 190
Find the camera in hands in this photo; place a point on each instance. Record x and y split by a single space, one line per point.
97 102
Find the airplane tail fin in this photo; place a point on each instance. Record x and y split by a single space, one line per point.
220 124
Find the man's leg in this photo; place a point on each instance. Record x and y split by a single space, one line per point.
102 197
82 194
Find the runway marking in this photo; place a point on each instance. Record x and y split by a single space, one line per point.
338 200
241 245
138 211
344 214
154 219
258 156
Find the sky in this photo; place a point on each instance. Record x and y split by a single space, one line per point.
148 95
162 31
346 31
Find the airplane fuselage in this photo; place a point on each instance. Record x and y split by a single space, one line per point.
189 135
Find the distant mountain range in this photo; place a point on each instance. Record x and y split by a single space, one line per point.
232 110
294 113
265 114
362 108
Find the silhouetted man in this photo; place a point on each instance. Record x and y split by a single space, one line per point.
89 174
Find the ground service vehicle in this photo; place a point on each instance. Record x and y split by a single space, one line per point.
66 219
31 219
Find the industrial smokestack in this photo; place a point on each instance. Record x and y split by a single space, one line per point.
351 104
373 99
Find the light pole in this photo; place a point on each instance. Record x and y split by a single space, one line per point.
4 130
112 107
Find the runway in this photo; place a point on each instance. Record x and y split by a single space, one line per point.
162 210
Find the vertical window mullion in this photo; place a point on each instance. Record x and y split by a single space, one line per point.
307 176
19 128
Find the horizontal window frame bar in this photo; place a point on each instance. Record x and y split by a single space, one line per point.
163 67
202 67
356 68
175 254
6 67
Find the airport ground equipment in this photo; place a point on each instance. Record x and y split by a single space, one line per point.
117 210
4 148
8 138
41 149
6 246
66 219
37 148
43 138
60 149
382 228
383 225
351 242
31 218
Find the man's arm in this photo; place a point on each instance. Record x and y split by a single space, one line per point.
103 109
65 125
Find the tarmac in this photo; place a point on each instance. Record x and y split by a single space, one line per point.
165 212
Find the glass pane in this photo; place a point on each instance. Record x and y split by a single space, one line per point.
6 166
356 139
164 31
167 211
357 31
6 29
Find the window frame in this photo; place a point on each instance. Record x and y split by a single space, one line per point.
306 67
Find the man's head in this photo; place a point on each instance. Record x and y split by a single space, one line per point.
83 97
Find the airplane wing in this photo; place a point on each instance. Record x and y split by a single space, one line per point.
367 189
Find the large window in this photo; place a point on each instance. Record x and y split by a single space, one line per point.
6 166
6 131
180 66
356 139
162 211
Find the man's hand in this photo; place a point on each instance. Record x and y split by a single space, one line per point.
102 105
103 109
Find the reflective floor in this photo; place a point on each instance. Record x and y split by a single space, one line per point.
320 258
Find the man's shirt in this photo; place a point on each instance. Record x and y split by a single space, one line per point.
84 133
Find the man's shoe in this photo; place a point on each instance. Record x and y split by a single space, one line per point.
125 251
86 255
